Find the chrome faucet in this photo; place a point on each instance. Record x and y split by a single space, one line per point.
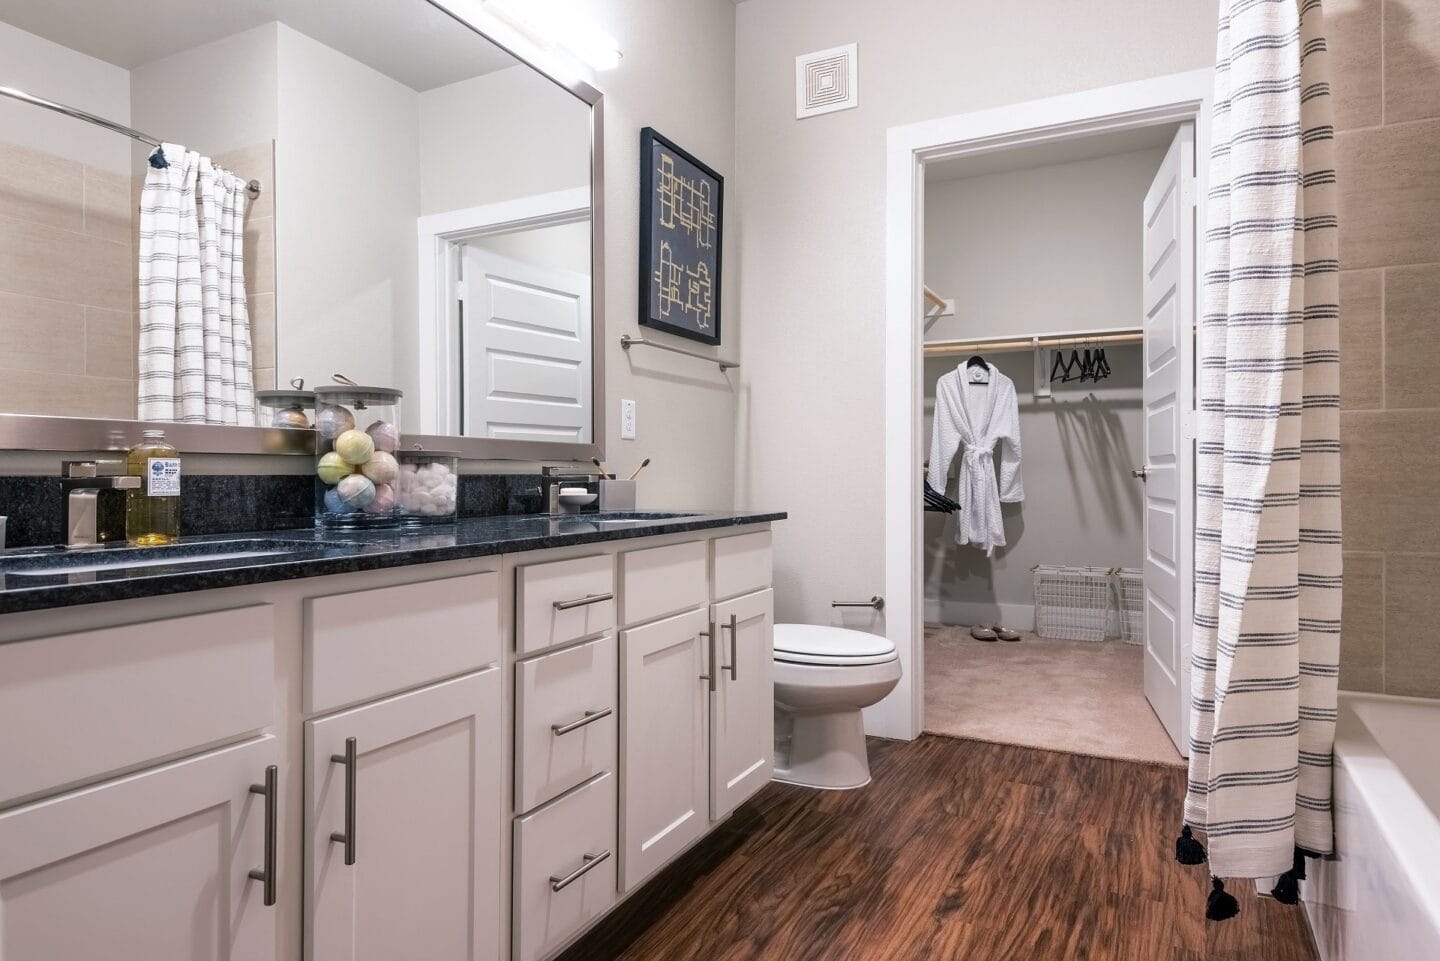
552 479
94 501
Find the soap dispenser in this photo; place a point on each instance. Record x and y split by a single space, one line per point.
152 512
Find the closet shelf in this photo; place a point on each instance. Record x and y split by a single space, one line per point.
1124 335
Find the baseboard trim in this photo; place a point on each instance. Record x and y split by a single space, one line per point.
1019 617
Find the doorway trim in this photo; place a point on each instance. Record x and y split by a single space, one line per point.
1169 99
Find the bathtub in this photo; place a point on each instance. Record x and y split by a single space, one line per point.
1379 900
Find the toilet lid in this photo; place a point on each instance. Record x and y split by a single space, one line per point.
815 644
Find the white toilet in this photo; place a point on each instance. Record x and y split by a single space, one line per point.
824 676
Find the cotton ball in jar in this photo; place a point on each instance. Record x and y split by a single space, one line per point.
331 468
386 436
355 446
381 468
332 421
355 491
384 501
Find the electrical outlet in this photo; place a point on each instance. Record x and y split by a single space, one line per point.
627 420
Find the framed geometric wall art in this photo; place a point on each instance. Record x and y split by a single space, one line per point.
681 205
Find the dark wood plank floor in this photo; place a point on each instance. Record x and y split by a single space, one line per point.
958 850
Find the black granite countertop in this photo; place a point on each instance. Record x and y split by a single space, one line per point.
39 578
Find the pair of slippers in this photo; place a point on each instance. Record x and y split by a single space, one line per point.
993 632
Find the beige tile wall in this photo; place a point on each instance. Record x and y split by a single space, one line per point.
1386 82
66 287
257 162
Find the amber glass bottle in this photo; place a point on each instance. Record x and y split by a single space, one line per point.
152 513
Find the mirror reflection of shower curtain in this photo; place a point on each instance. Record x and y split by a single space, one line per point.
194 358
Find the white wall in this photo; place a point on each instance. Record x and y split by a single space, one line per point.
212 98
45 69
347 195
812 251
564 246
503 135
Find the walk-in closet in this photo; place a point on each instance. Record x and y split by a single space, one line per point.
1036 266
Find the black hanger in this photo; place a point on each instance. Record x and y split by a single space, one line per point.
1073 370
977 361
1102 366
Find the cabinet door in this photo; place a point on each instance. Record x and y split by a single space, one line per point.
742 710
419 804
664 763
150 867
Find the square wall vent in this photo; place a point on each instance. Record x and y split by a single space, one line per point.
826 81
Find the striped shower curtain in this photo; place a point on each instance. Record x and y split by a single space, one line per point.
1267 553
194 354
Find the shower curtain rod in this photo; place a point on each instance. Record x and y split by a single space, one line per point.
252 188
998 344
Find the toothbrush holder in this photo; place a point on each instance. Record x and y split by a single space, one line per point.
617 495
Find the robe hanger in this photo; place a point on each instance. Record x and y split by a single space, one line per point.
977 361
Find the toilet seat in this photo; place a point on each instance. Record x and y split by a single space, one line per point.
830 646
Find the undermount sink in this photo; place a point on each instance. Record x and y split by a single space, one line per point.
58 561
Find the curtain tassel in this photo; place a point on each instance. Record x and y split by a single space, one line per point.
1187 849
1221 904
157 159
1287 886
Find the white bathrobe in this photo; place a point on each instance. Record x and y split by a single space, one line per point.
972 418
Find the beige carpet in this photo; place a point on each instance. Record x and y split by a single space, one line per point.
1078 696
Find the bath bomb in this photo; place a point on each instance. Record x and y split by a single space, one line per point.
355 446
382 468
332 467
384 501
332 421
355 491
290 417
334 504
386 436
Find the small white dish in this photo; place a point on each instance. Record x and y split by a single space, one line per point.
578 497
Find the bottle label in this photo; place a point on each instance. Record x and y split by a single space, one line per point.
163 477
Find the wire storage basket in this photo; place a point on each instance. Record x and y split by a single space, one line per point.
1130 604
1072 602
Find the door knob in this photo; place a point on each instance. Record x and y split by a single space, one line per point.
1140 473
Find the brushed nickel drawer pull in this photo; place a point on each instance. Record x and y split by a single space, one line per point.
710 675
582 601
268 790
734 665
590 717
589 863
347 837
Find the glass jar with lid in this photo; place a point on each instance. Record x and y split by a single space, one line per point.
357 435
429 487
286 408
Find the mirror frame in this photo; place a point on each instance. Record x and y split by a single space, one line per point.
43 432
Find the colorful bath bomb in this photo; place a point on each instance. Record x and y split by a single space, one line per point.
290 417
386 436
334 504
355 446
355 491
382 468
332 421
332 467
384 501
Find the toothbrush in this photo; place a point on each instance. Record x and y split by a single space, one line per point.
596 462
643 464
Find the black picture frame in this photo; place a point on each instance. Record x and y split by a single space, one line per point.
693 309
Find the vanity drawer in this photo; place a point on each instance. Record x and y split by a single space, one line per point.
551 848
663 580
741 564
75 707
368 644
562 601
557 746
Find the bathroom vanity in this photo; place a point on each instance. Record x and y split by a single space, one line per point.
470 744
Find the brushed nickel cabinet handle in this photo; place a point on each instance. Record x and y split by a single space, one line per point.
347 837
711 672
590 717
1140 473
588 863
582 601
734 666
266 875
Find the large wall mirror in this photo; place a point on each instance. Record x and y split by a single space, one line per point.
410 205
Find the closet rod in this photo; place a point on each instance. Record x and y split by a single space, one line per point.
935 299
252 188
1030 343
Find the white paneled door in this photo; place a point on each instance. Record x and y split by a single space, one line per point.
403 823
742 710
1169 392
154 866
525 350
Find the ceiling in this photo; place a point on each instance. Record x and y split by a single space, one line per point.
411 41
1047 154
